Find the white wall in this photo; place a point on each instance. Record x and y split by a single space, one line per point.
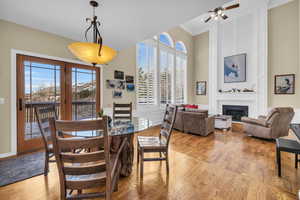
237 37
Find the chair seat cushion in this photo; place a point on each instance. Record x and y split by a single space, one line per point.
151 142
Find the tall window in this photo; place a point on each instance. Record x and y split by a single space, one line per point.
161 78
146 62
166 68
180 71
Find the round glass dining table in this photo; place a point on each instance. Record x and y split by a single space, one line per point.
118 131
118 128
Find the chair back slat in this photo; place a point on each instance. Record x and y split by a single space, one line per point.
122 111
65 144
82 157
79 185
84 169
69 126
168 123
122 105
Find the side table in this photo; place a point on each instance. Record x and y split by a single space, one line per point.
223 122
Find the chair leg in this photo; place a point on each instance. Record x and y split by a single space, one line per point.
278 161
296 160
142 163
167 162
46 169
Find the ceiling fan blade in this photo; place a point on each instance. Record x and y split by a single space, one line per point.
207 19
224 16
232 6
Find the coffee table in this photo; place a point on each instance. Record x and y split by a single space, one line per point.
223 122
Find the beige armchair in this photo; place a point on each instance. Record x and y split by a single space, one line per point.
274 125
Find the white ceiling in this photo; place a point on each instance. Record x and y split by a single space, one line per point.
197 25
125 22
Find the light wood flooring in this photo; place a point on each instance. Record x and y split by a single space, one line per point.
224 165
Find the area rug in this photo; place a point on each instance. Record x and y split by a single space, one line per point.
21 168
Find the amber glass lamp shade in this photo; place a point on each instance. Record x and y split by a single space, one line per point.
88 52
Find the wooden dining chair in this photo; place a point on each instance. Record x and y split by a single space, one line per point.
160 144
85 170
122 111
42 116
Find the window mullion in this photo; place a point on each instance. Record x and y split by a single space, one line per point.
158 92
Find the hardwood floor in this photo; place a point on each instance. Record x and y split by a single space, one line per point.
224 165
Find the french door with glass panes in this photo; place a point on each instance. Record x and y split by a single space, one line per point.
73 89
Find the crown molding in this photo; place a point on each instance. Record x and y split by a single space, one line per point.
185 28
276 3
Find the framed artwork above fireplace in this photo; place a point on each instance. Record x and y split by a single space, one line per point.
235 68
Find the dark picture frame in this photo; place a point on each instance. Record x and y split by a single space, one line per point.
201 88
235 68
129 79
119 75
284 84
117 94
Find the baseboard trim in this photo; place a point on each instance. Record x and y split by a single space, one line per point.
5 155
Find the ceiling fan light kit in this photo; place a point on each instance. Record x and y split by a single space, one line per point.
218 13
93 52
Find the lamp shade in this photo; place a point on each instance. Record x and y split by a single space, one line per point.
88 52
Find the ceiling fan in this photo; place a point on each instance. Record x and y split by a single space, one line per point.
218 13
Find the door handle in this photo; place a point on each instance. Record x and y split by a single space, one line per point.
20 104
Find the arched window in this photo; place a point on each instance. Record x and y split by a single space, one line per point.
162 68
179 46
166 39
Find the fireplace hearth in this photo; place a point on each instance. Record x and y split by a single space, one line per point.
237 112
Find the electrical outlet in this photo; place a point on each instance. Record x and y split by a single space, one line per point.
2 101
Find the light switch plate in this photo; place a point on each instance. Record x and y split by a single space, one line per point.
2 101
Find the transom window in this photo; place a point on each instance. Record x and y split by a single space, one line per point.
179 46
161 71
166 39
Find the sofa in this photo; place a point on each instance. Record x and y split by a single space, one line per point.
196 121
274 125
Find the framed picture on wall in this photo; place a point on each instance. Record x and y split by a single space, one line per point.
130 87
201 88
235 68
119 75
284 84
117 94
129 79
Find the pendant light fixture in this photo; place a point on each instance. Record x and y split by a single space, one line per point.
93 52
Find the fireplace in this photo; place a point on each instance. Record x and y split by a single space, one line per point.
237 112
